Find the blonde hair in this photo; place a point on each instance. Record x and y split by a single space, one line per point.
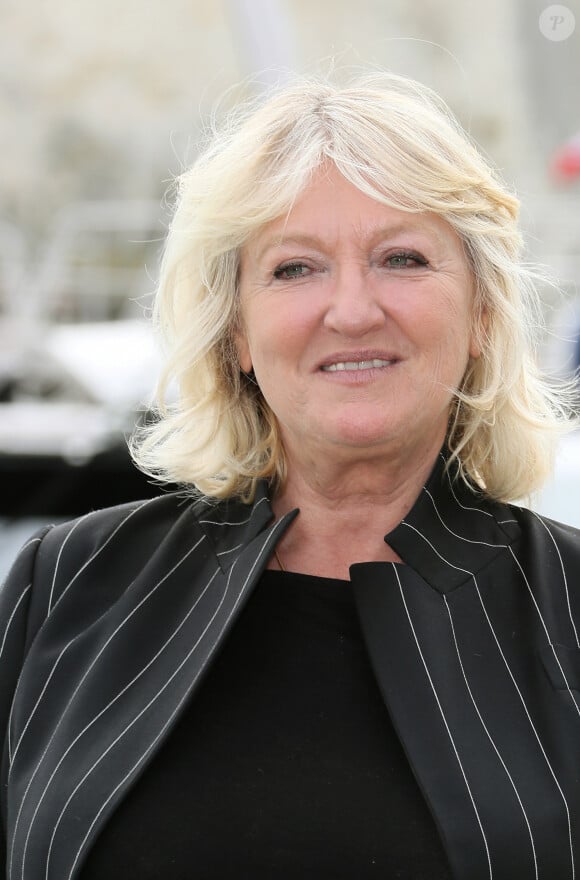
396 141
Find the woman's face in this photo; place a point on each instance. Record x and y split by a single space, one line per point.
356 319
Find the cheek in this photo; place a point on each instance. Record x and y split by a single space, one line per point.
263 353
450 346
282 334
254 338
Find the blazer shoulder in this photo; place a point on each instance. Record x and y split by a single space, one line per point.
136 528
57 554
84 566
541 527
91 529
551 550
150 517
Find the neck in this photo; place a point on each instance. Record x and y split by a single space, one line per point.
346 508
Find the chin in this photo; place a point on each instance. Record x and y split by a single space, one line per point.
359 436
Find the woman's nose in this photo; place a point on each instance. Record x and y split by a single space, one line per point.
353 308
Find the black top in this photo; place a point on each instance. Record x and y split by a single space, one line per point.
285 764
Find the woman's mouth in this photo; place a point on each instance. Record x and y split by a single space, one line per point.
373 364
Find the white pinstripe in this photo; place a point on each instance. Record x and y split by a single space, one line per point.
242 522
449 734
24 547
501 522
12 616
30 542
232 550
173 714
489 736
537 607
463 507
539 518
95 554
24 592
451 532
111 637
46 683
62 546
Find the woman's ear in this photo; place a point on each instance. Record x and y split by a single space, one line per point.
474 344
479 332
243 350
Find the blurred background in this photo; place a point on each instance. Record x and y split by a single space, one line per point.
102 104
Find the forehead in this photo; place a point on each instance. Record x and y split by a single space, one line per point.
330 208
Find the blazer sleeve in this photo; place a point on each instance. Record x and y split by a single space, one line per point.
16 634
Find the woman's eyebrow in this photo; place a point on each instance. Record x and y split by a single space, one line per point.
281 240
309 240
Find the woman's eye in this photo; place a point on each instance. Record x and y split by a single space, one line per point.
405 260
291 270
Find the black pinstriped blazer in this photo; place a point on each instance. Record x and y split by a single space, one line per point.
108 624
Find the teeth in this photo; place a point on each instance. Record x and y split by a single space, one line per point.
356 365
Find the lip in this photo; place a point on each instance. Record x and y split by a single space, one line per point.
366 354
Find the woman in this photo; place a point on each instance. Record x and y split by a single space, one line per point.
341 652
